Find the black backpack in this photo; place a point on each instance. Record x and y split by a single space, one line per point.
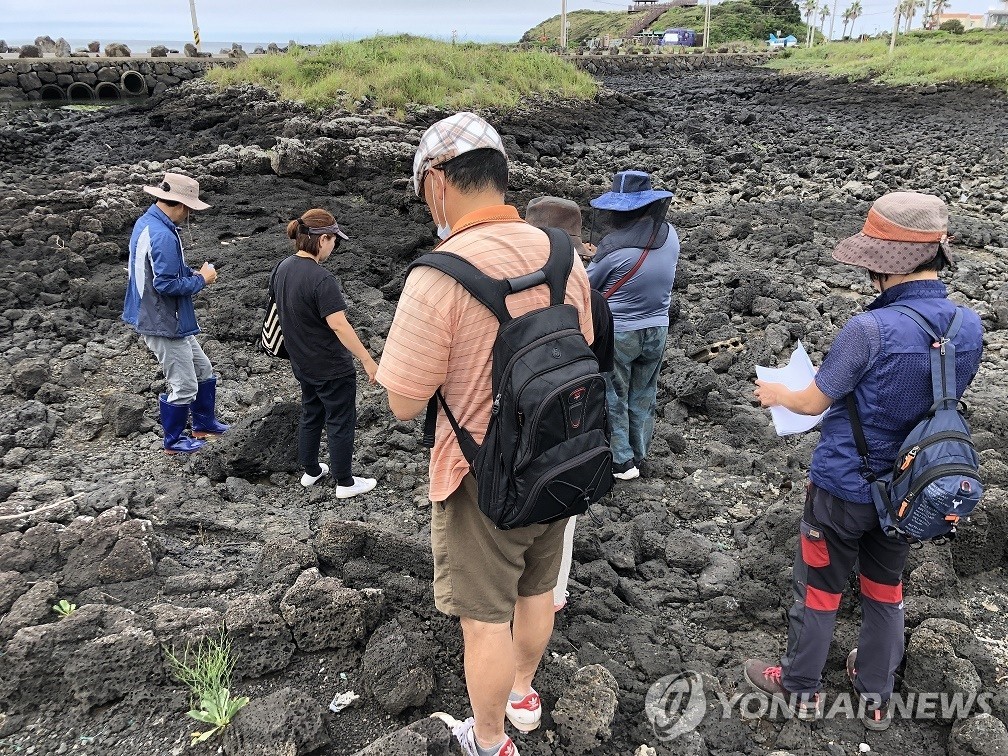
935 482
546 452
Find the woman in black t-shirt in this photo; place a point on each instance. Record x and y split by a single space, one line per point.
321 344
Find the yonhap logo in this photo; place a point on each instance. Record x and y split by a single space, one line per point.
676 704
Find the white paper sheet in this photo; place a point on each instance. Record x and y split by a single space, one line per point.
796 375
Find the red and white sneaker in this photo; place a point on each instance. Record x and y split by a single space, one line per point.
463 732
525 714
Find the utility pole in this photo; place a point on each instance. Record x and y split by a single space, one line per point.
833 21
563 24
195 26
706 27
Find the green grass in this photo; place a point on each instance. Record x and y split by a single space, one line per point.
398 71
731 21
921 58
584 25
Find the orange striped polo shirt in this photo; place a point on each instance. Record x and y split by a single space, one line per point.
442 336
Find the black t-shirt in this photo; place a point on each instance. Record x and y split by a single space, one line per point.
603 346
306 294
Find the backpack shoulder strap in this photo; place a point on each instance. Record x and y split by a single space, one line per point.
559 265
490 292
943 366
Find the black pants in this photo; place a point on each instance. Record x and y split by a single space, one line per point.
836 534
333 402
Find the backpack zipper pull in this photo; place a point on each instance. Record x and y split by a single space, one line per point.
496 405
909 458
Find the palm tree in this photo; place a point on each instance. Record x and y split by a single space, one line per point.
856 10
824 14
809 8
846 20
832 23
937 10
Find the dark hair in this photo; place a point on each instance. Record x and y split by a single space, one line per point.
305 242
937 263
169 203
472 171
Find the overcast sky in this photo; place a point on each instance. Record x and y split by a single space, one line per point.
318 20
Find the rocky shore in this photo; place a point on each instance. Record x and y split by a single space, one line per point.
685 569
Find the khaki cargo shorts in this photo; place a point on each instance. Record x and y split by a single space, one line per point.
480 571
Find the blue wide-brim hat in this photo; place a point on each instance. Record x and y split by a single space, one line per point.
631 190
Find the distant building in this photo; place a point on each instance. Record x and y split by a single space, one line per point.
997 19
789 41
968 20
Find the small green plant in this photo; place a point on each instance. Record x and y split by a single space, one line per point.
64 608
206 671
218 710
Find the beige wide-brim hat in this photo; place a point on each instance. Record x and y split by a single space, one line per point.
902 231
557 212
178 188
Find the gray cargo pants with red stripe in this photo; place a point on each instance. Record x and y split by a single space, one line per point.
836 535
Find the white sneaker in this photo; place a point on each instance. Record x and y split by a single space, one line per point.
525 714
360 485
310 480
463 732
630 474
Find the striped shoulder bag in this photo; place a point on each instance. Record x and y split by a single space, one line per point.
272 340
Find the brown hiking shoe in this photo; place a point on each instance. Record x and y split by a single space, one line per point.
874 714
765 679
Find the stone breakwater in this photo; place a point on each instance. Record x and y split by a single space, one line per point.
95 79
687 568
109 79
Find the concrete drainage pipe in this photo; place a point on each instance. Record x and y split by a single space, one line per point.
133 84
52 93
106 90
80 92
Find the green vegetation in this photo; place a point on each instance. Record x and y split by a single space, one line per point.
207 674
731 21
64 608
738 21
397 71
979 57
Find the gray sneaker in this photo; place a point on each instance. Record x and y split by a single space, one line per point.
765 679
874 714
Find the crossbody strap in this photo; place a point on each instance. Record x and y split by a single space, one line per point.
640 261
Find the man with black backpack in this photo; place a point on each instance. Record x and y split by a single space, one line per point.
511 458
893 373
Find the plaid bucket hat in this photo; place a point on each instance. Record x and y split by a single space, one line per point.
902 231
178 188
556 212
449 138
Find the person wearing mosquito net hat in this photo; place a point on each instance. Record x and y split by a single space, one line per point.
159 306
880 358
634 268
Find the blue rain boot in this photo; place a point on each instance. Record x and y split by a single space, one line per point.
204 418
173 420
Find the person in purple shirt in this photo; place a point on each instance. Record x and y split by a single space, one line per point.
634 268
881 357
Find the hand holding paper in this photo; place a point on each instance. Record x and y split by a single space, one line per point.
796 376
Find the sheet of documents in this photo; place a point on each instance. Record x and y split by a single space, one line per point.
796 375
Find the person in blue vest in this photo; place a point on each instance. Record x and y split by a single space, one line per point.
881 356
634 267
159 306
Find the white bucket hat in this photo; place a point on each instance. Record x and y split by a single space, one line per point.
178 188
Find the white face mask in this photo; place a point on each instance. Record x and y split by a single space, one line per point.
444 231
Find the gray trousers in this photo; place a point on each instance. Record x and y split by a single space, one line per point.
836 535
184 365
